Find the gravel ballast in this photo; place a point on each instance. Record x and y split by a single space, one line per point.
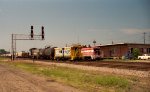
99 69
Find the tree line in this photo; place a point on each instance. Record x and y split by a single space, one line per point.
3 51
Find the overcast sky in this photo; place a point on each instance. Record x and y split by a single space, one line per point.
73 21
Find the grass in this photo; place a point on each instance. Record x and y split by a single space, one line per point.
2 58
84 80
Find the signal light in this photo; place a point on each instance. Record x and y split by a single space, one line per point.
32 32
42 33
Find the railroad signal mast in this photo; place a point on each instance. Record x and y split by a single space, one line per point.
31 36
32 32
43 33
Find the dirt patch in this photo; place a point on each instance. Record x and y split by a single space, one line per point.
13 80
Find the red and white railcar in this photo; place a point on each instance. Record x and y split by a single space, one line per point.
91 53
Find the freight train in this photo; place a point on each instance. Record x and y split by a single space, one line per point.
76 52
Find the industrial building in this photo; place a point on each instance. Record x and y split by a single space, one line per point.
123 49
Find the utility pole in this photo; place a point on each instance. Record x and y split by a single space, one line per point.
31 36
12 48
144 37
149 38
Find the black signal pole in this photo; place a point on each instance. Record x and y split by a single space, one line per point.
15 37
43 33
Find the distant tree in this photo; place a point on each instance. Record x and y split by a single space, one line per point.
2 51
136 53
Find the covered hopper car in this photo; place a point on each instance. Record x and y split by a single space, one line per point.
58 55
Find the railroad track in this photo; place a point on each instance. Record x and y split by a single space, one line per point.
142 66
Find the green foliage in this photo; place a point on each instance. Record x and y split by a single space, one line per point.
136 53
2 51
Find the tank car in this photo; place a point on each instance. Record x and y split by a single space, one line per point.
48 53
41 53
